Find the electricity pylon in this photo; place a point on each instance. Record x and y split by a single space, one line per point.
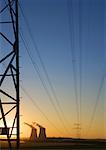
9 72
78 130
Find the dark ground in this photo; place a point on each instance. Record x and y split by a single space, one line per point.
59 144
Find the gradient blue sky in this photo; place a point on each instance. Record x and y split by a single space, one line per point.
52 28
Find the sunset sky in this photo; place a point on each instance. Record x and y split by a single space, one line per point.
67 38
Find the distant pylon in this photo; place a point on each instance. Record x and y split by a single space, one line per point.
78 130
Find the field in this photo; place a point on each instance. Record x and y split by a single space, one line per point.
59 144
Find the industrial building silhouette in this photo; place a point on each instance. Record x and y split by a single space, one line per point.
33 136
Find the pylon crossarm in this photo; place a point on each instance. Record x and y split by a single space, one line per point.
7 69
8 55
2 10
6 39
4 22
8 112
6 94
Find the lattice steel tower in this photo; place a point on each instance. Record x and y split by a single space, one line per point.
9 72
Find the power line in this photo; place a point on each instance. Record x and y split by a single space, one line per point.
96 102
80 63
43 66
36 69
36 106
71 26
